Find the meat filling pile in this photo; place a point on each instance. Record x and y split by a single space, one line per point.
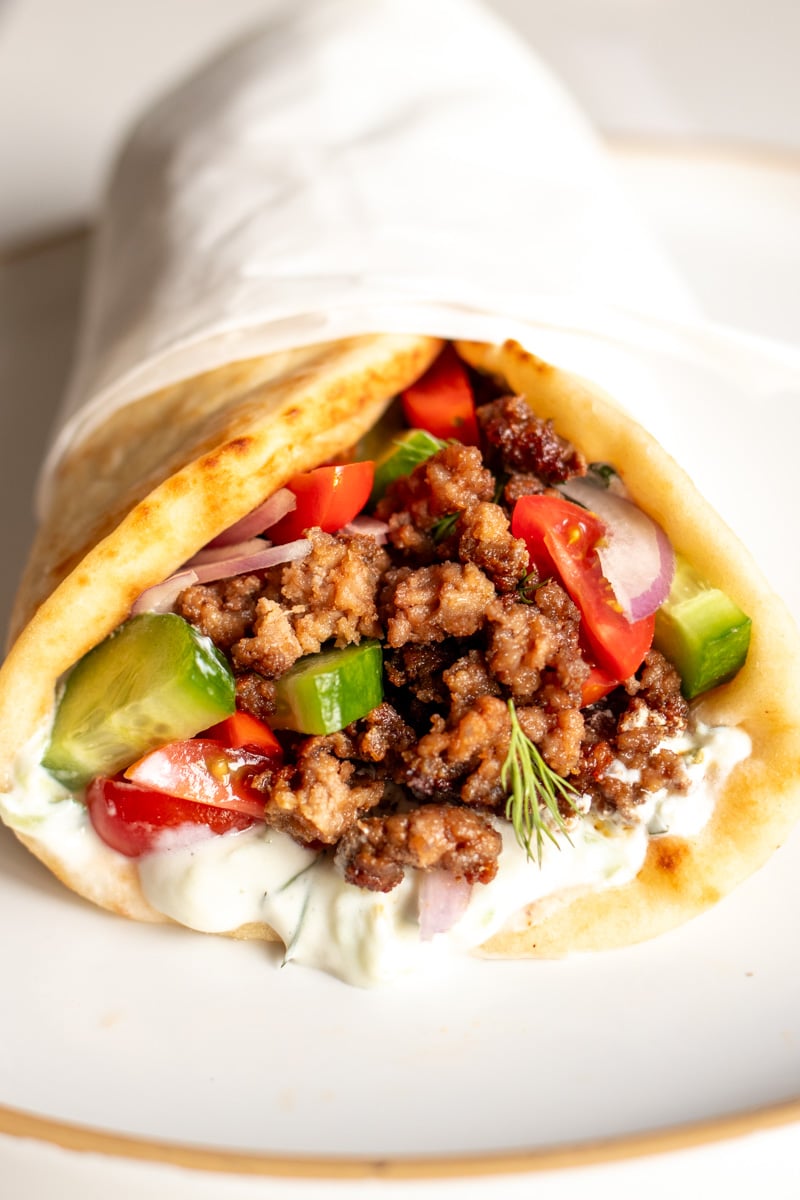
465 627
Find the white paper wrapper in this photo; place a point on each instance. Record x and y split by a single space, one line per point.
355 166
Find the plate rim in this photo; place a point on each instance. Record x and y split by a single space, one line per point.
681 1136
64 1135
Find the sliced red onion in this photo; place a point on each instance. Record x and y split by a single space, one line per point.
638 560
443 899
211 553
269 513
368 527
162 596
270 556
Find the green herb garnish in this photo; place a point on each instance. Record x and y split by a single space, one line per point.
533 787
501 479
604 473
442 528
291 945
527 586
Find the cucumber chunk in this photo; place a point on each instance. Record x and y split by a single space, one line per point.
153 680
407 451
701 631
322 693
372 445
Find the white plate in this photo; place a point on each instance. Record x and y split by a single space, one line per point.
175 1047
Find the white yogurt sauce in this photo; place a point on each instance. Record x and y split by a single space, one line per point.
259 875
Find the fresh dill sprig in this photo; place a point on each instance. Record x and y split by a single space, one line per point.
604 473
442 528
291 945
533 789
527 586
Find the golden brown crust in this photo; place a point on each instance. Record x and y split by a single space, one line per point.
243 432
150 487
761 800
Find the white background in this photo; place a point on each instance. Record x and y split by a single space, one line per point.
72 74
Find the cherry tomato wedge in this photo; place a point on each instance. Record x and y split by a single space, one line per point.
441 401
205 772
328 497
597 684
562 538
133 819
243 731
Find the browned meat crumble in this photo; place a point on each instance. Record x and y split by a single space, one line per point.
375 850
417 782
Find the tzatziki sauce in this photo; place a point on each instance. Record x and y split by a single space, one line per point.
219 883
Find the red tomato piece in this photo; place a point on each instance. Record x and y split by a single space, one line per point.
441 401
131 819
243 731
597 684
328 497
562 538
205 772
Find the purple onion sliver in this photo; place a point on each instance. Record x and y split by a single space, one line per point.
211 553
269 513
368 527
642 606
272 556
162 596
443 899
638 560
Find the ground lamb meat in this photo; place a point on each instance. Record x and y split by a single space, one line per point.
557 734
519 441
466 630
274 646
375 851
256 695
223 611
417 669
448 482
659 685
485 539
317 797
521 483
465 758
331 592
381 737
466 680
621 760
533 649
432 603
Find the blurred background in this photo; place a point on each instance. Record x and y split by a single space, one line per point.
721 72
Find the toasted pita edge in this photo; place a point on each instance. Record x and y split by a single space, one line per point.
759 804
233 436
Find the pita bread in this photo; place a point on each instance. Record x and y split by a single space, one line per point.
161 478
761 799
153 484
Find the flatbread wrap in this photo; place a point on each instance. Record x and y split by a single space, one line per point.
458 735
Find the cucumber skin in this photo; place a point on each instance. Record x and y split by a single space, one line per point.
169 679
411 448
322 693
702 632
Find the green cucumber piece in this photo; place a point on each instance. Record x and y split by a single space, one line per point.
324 692
701 631
407 451
153 680
372 445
